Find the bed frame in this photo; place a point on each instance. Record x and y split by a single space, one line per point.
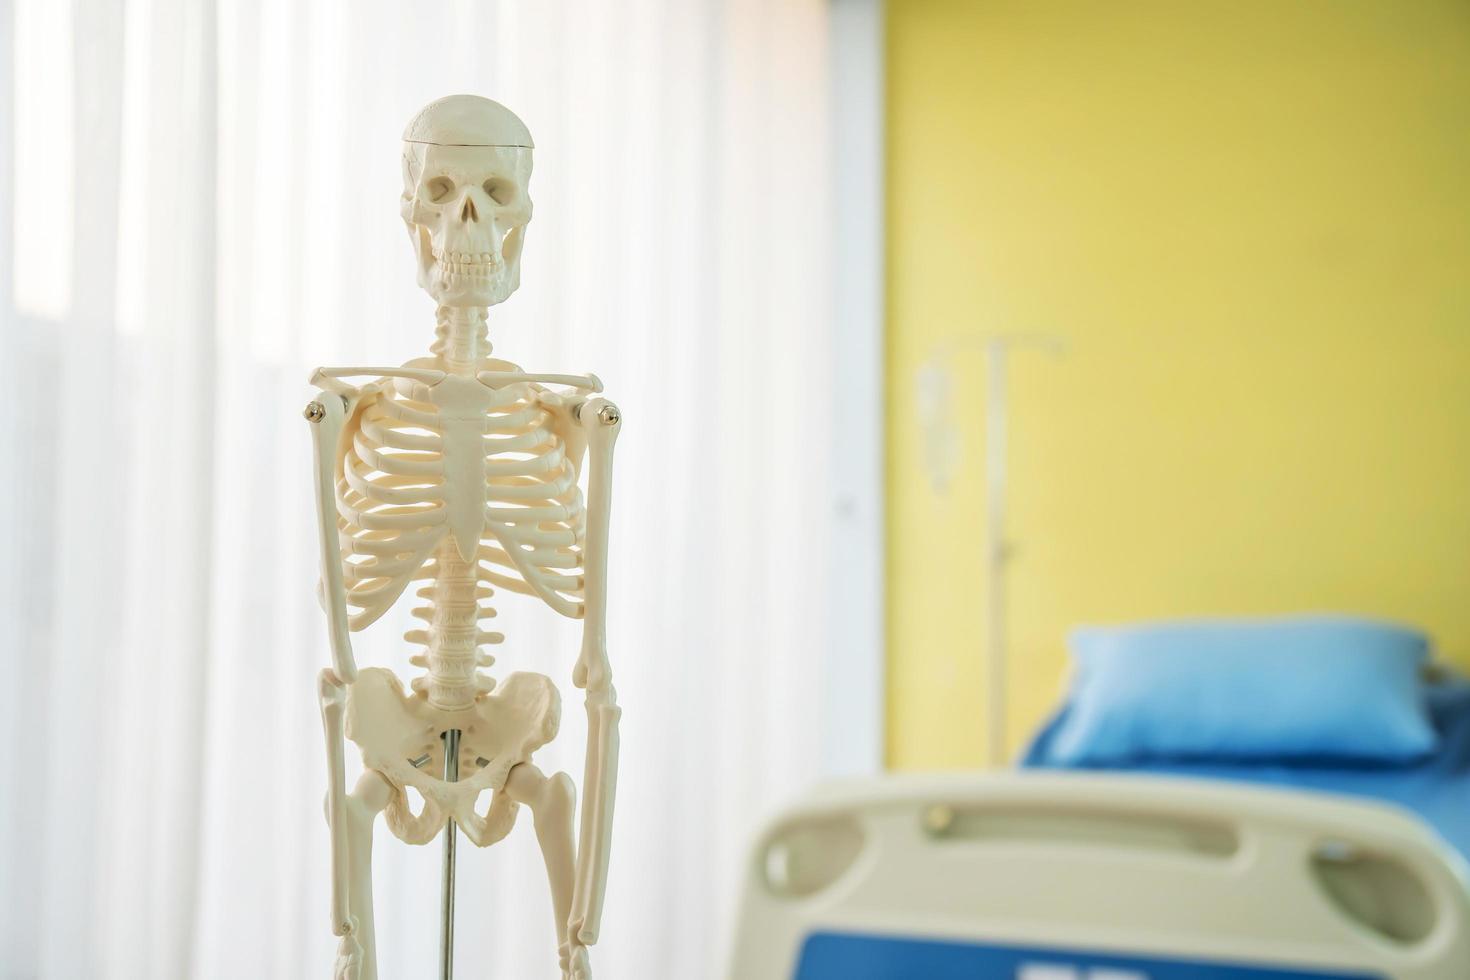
1065 876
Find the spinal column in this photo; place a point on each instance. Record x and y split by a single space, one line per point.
452 640
453 637
461 337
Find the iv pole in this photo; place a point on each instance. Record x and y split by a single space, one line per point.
934 391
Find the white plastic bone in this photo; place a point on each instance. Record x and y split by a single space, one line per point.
463 472
600 421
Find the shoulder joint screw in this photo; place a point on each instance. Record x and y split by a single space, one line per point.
315 412
609 415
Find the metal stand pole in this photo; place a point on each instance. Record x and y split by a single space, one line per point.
451 831
934 386
997 352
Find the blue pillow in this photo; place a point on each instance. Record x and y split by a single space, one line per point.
1309 688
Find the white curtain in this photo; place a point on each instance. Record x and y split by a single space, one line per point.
200 206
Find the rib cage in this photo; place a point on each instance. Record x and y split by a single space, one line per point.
394 521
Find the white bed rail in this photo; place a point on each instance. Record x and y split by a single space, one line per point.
1146 867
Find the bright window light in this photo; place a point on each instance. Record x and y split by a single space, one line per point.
44 158
132 209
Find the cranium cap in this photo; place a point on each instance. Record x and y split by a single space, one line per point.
467 120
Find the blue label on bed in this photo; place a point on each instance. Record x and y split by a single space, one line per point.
835 956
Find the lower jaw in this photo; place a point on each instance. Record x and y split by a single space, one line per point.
455 285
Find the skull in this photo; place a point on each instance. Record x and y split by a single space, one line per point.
466 198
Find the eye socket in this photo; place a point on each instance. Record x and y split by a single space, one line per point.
440 188
500 191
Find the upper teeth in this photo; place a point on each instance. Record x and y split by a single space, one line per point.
467 258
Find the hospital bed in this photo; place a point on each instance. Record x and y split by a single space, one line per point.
1088 876
1436 788
1132 845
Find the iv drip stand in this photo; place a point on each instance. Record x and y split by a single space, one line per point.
998 348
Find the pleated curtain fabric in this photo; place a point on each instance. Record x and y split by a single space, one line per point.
205 207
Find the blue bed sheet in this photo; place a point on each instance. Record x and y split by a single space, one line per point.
839 956
1438 789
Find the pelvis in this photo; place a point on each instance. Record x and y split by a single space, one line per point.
401 737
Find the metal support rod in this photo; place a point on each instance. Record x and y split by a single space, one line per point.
995 549
451 831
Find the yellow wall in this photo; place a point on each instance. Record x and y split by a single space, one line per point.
1251 218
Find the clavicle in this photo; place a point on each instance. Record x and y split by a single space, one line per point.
323 377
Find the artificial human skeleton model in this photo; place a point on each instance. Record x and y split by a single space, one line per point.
462 472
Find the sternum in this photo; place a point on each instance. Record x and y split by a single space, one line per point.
452 651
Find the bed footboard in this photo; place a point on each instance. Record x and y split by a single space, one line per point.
1039 876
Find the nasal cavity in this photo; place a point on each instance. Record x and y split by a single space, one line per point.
467 211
